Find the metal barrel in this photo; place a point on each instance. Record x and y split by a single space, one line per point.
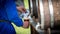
47 12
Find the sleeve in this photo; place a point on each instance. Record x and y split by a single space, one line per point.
12 13
1 1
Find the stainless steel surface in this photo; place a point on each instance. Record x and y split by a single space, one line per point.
49 20
42 14
51 12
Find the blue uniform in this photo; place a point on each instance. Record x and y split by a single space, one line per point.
9 12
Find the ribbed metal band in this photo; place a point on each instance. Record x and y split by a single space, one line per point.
42 14
51 12
31 7
49 31
31 4
37 3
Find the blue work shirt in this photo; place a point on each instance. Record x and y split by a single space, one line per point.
9 12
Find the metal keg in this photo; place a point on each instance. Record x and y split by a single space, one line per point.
50 13
47 13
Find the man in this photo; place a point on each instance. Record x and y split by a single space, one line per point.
8 14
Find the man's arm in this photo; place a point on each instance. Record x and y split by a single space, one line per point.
1 1
12 13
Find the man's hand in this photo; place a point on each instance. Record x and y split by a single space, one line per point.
26 20
21 9
26 23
